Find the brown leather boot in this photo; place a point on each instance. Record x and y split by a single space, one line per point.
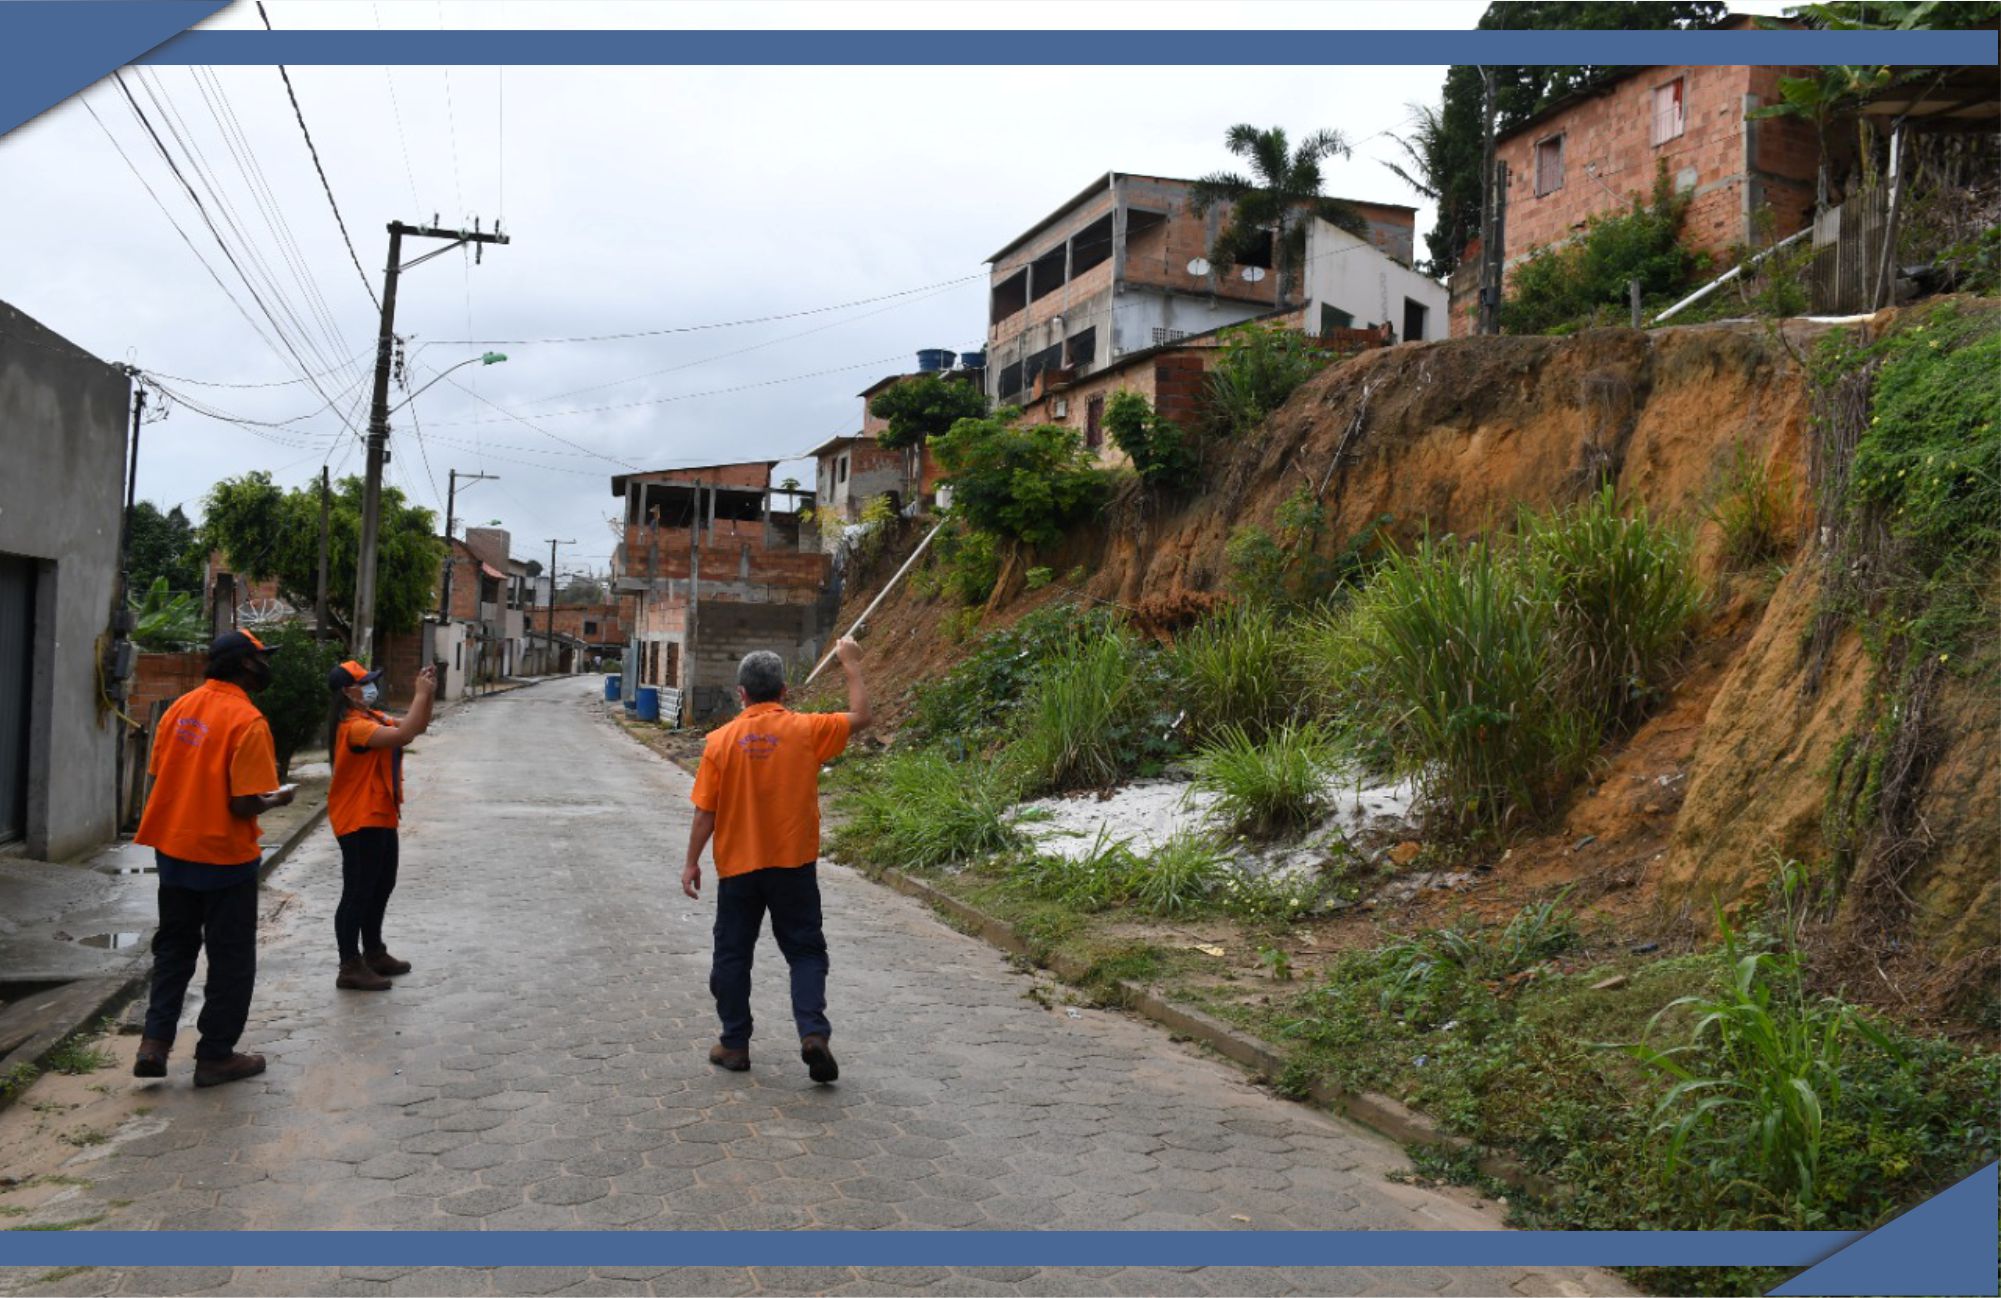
214 1072
152 1059
722 1056
820 1065
356 976
383 963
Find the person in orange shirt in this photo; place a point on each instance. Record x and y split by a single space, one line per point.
757 793
364 803
213 771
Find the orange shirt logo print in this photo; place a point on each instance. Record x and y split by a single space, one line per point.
758 747
191 731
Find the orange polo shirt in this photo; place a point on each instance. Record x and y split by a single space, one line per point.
367 788
760 775
213 745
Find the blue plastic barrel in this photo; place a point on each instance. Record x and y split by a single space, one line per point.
611 686
933 359
649 703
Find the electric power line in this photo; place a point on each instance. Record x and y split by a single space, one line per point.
300 113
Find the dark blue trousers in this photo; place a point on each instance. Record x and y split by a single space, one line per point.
224 921
792 896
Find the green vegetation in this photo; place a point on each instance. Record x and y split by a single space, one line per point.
295 702
1258 367
165 547
1584 283
1268 209
972 708
1753 509
1026 484
270 533
925 406
79 1053
17 1079
1914 527
1162 453
1097 714
1269 787
167 620
1238 668
918 810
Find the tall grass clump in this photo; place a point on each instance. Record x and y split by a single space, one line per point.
1238 668
1755 1086
1095 715
1752 510
1466 651
1625 598
1268 787
918 810
1181 876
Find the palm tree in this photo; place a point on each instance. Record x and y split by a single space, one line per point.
1282 190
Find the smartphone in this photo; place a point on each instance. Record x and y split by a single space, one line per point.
288 788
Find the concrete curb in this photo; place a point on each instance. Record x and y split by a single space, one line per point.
1379 1113
76 1005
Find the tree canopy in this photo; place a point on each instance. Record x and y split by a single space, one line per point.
1272 202
924 407
1028 483
165 546
1442 153
270 533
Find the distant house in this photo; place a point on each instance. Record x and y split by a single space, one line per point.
1122 268
1594 152
720 562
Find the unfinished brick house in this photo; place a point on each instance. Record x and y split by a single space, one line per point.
719 564
1593 153
1121 268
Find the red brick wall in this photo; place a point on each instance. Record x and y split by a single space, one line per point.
1177 387
609 626
1611 133
162 678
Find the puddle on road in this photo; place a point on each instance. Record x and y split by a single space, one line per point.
111 941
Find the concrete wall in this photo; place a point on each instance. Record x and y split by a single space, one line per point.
63 421
1348 274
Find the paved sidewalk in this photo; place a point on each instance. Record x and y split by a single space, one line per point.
543 1068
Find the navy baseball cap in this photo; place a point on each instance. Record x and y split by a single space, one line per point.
237 644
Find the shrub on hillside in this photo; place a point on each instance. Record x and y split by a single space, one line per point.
1584 282
1272 786
1258 367
971 706
1098 713
924 407
1163 454
1027 484
1237 668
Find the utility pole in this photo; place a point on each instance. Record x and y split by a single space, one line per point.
363 641
553 543
451 503
320 600
121 656
1489 292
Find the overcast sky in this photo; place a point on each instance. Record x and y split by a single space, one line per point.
638 199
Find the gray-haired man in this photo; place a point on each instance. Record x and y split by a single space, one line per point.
757 793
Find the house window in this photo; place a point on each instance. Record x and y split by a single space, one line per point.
459 656
1669 120
1094 423
841 470
1333 317
1548 165
1413 320
590 627
1082 347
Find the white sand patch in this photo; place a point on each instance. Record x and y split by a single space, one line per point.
1146 813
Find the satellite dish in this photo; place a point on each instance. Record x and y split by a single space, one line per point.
1198 266
1252 274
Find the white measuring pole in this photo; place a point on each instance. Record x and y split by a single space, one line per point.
880 596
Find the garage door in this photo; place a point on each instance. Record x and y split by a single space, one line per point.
17 660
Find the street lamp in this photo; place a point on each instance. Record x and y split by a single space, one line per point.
485 358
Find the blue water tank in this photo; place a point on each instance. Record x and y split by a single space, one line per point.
649 703
933 359
611 687
973 360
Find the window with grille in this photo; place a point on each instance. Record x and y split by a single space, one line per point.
1161 337
1549 165
1669 119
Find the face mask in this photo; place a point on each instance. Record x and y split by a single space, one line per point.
259 673
369 694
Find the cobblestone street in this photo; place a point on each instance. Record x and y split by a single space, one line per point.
544 1068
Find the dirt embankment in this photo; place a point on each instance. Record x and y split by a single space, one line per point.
1729 777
